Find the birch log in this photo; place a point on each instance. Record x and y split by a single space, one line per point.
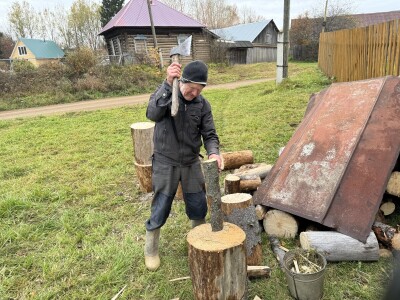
336 246
261 169
239 209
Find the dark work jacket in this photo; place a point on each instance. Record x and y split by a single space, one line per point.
177 140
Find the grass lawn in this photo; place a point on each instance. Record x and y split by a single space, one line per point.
72 216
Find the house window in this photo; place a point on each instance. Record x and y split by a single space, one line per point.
140 44
22 50
182 38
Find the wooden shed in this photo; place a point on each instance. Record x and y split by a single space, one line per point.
36 51
129 35
250 43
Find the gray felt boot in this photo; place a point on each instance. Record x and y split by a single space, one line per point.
151 258
197 222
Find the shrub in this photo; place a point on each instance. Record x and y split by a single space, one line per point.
80 61
20 66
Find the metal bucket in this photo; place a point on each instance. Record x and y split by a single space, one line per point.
304 286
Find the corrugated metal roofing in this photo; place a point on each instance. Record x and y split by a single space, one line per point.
335 168
43 48
242 32
136 14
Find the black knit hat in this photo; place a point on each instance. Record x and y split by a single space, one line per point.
196 72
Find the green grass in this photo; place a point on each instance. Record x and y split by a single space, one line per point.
72 216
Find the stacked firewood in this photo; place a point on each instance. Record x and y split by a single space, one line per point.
383 239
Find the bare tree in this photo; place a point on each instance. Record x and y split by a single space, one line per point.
23 20
179 5
249 15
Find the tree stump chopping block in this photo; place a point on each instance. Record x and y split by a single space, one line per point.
143 172
217 261
142 137
238 209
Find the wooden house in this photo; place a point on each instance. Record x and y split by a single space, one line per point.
36 51
129 35
250 43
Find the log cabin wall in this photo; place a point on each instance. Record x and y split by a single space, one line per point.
138 43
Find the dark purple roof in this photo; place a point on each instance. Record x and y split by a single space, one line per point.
376 18
136 14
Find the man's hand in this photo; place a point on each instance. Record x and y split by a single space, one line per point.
173 71
219 161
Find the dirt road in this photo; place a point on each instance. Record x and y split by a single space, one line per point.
103 103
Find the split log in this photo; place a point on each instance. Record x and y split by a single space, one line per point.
249 183
261 169
143 173
384 233
336 246
393 186
261 210
233 160
239 209
213 192
258 271
387 207
217 261
280 224
142 137
231 184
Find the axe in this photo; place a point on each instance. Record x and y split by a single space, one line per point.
184 50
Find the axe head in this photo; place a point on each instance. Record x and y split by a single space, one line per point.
183 49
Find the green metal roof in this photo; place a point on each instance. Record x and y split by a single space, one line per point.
43 48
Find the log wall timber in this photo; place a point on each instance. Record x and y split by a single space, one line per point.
217 261
142 137
231 184
233 160
280 224
339 247
238 209
393 187
143 172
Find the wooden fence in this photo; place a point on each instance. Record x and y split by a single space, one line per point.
361 53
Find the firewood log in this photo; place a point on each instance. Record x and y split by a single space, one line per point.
142 137
233 160
261 210
336 246
261 169
393 186
143 172
231 184
258 271
249 183
387 207
280 224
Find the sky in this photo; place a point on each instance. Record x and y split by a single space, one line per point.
269 9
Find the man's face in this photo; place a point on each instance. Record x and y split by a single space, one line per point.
191 90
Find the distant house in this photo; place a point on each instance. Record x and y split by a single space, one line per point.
129 33
38 52
251 42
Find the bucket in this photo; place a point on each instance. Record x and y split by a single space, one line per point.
305 286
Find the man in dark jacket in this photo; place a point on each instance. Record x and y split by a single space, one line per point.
177 142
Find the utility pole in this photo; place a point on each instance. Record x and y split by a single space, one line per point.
282 50
153 30
286 19
324 22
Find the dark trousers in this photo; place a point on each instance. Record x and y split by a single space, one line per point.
165 183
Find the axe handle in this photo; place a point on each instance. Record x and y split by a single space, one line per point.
175 87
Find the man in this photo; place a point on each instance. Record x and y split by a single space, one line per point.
177 142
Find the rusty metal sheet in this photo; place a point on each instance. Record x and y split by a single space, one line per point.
335 168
